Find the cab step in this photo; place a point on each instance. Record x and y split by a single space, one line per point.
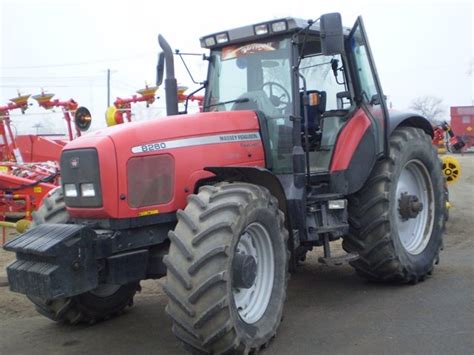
339 260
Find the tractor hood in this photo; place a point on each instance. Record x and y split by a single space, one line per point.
129 136
150 167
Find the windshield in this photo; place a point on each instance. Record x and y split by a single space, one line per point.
255 76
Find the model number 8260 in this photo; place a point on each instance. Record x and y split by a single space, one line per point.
152 147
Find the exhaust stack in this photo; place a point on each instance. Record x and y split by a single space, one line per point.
171 85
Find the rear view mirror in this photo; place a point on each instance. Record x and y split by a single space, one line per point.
332 36
159 68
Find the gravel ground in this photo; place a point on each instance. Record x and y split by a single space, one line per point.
328 311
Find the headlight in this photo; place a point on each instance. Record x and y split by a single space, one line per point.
279 26
222 38
70 190
87 190
261 29
209 41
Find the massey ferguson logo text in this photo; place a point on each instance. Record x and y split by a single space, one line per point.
239 137
196 141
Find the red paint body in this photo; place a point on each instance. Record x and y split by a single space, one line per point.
114 146
348 140
462 123
39 148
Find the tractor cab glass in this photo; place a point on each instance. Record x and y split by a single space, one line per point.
256 76
324 77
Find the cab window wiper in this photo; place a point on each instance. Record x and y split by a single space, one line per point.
238 101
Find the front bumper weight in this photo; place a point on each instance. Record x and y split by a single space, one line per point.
53 261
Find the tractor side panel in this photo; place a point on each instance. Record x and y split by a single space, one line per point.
348 140
354 155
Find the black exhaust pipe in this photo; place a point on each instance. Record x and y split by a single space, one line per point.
171 85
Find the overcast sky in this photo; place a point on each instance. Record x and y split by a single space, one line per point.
420 47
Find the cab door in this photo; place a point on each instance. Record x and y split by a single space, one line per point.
368 91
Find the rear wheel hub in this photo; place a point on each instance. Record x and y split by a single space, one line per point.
244 270
253 272
415 207
409 206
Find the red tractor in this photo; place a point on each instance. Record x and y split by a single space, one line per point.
294 149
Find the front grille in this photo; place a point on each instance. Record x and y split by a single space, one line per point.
150 180
81 166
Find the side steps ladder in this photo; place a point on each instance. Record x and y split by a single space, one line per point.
330 212
338 260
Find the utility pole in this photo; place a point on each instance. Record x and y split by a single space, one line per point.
108 87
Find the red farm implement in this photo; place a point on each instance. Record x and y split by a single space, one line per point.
38 148
462 122
446 140
121 110
29 163
23 187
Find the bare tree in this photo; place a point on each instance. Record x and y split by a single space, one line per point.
430 107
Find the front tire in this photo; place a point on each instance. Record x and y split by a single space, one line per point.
226 233
397 219
102 303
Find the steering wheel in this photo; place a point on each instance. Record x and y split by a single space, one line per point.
279 101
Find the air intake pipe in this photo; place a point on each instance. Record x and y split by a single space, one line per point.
165 58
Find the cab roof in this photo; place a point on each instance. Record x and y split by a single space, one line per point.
257 31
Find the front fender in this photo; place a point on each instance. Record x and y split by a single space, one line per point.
253 175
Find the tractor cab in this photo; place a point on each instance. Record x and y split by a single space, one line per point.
296 75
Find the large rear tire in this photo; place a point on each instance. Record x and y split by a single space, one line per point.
227 269
102 303
397 219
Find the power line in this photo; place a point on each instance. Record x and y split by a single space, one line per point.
26 114
16 86
85 77
59 65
